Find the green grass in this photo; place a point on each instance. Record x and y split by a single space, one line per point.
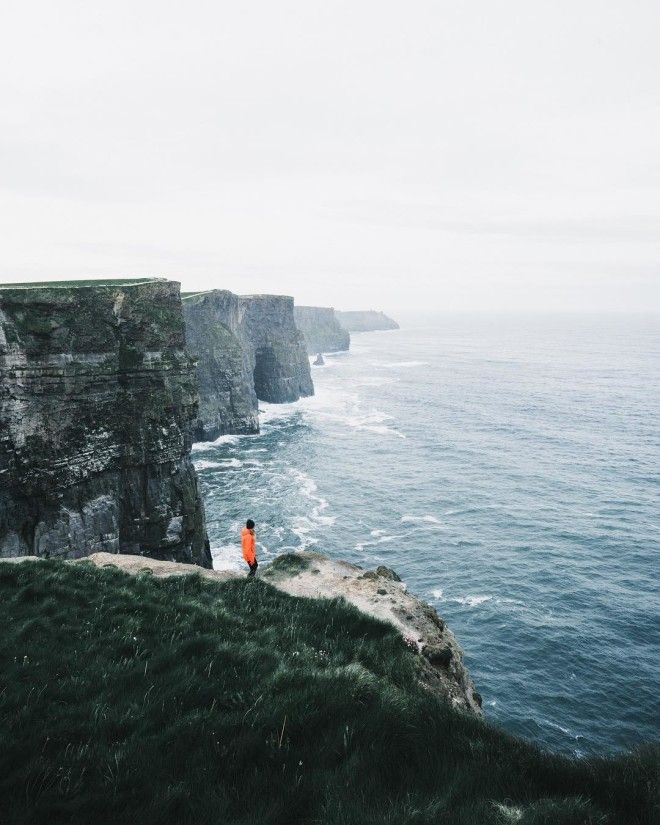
289 563
138 700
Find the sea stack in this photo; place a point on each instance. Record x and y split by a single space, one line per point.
319 362
96 413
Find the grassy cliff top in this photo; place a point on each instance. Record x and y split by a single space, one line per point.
186 700
188 295
83 283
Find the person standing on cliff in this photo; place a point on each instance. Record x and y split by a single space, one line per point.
248 543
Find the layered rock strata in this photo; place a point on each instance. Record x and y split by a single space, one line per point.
322 331
97 404
247 349
365 321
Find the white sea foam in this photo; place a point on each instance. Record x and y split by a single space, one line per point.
372 420
427 519
198 446
471 601
227 557
220 464
305 525
346 408
437 593
386 539
268 413
475 509
203 464
230 462
559 728
381 539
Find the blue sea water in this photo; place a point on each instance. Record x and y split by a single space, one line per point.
509 469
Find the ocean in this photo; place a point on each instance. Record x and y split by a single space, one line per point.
508 468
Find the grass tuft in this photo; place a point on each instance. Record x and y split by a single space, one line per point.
289 563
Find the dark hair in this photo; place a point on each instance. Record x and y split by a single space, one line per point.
249 524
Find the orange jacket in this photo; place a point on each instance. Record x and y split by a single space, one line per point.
248 544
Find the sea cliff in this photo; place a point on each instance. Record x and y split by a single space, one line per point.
97 405
247 349
321 329
365 320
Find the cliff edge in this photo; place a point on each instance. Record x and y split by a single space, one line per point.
382 594
379 593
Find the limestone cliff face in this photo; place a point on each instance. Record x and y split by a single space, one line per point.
227 398
247 349
321 329
97 403
365 320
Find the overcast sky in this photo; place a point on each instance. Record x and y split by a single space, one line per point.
463 155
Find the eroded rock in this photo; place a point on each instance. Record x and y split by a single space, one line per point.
247 349
97 403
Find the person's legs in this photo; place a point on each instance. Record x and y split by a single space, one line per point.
253 568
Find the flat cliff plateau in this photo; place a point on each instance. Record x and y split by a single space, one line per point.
321 329
97 404
247 349
365 320
379 593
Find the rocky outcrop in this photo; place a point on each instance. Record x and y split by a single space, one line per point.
247 348
382 594
365 321
321 329
97 403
